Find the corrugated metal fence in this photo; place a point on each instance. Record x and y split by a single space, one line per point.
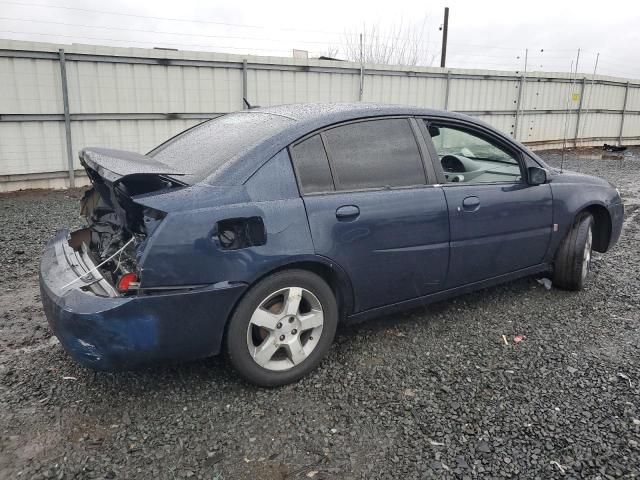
52 96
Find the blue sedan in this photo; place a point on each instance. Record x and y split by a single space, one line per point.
259 231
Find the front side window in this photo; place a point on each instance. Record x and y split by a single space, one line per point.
469 158
374 154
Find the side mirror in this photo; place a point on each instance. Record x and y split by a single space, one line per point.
433 131
537 175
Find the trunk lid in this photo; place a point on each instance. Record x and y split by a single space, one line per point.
114 165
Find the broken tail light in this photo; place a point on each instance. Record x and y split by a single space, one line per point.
127 282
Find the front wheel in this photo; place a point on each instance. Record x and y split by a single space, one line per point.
574 255
282 328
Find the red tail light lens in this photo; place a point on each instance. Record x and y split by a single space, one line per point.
127 282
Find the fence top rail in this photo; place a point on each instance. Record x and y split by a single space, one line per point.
106 54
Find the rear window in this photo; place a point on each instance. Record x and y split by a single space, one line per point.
204 149
374 154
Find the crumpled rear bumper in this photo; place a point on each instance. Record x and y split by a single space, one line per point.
114 333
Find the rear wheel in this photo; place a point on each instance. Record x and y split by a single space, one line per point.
282 328
573 258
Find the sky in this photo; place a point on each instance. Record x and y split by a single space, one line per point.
482 34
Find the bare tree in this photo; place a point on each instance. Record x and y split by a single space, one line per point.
332 52
400 45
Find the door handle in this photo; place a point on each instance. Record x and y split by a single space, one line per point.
471 204
347 212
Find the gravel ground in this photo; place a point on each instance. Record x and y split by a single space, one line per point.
427 394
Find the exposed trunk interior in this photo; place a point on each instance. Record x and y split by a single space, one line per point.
117 226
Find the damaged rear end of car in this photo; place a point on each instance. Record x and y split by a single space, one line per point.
92 279
117 227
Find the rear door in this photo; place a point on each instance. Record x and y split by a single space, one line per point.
372 210
499 223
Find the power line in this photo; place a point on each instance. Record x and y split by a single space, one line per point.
156 43
237 25
172 19
184 20
235 37
227 24
547 59
143 41
230 37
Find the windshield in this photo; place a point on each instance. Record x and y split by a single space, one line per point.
202 150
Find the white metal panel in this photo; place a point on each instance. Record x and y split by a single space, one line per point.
547 127
405 90
273 87
471 94
631 127
603 97
32 147
600 125
545 95
49 183
633 99
96 87
30 86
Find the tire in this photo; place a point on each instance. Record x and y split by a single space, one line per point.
573 257
282 328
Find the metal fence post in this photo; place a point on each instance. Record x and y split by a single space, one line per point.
446 91
575 137
515 124
244 83
67 118
624 109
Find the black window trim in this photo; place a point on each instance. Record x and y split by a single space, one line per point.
430 177
332 171
478 131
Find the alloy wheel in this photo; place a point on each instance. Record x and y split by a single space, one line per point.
285 328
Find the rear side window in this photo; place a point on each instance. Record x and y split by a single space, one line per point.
312 166
375 154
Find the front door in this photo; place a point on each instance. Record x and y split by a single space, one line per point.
499 223
371 210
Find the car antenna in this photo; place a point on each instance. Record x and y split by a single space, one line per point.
249 106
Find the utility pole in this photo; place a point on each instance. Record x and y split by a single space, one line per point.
445 28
